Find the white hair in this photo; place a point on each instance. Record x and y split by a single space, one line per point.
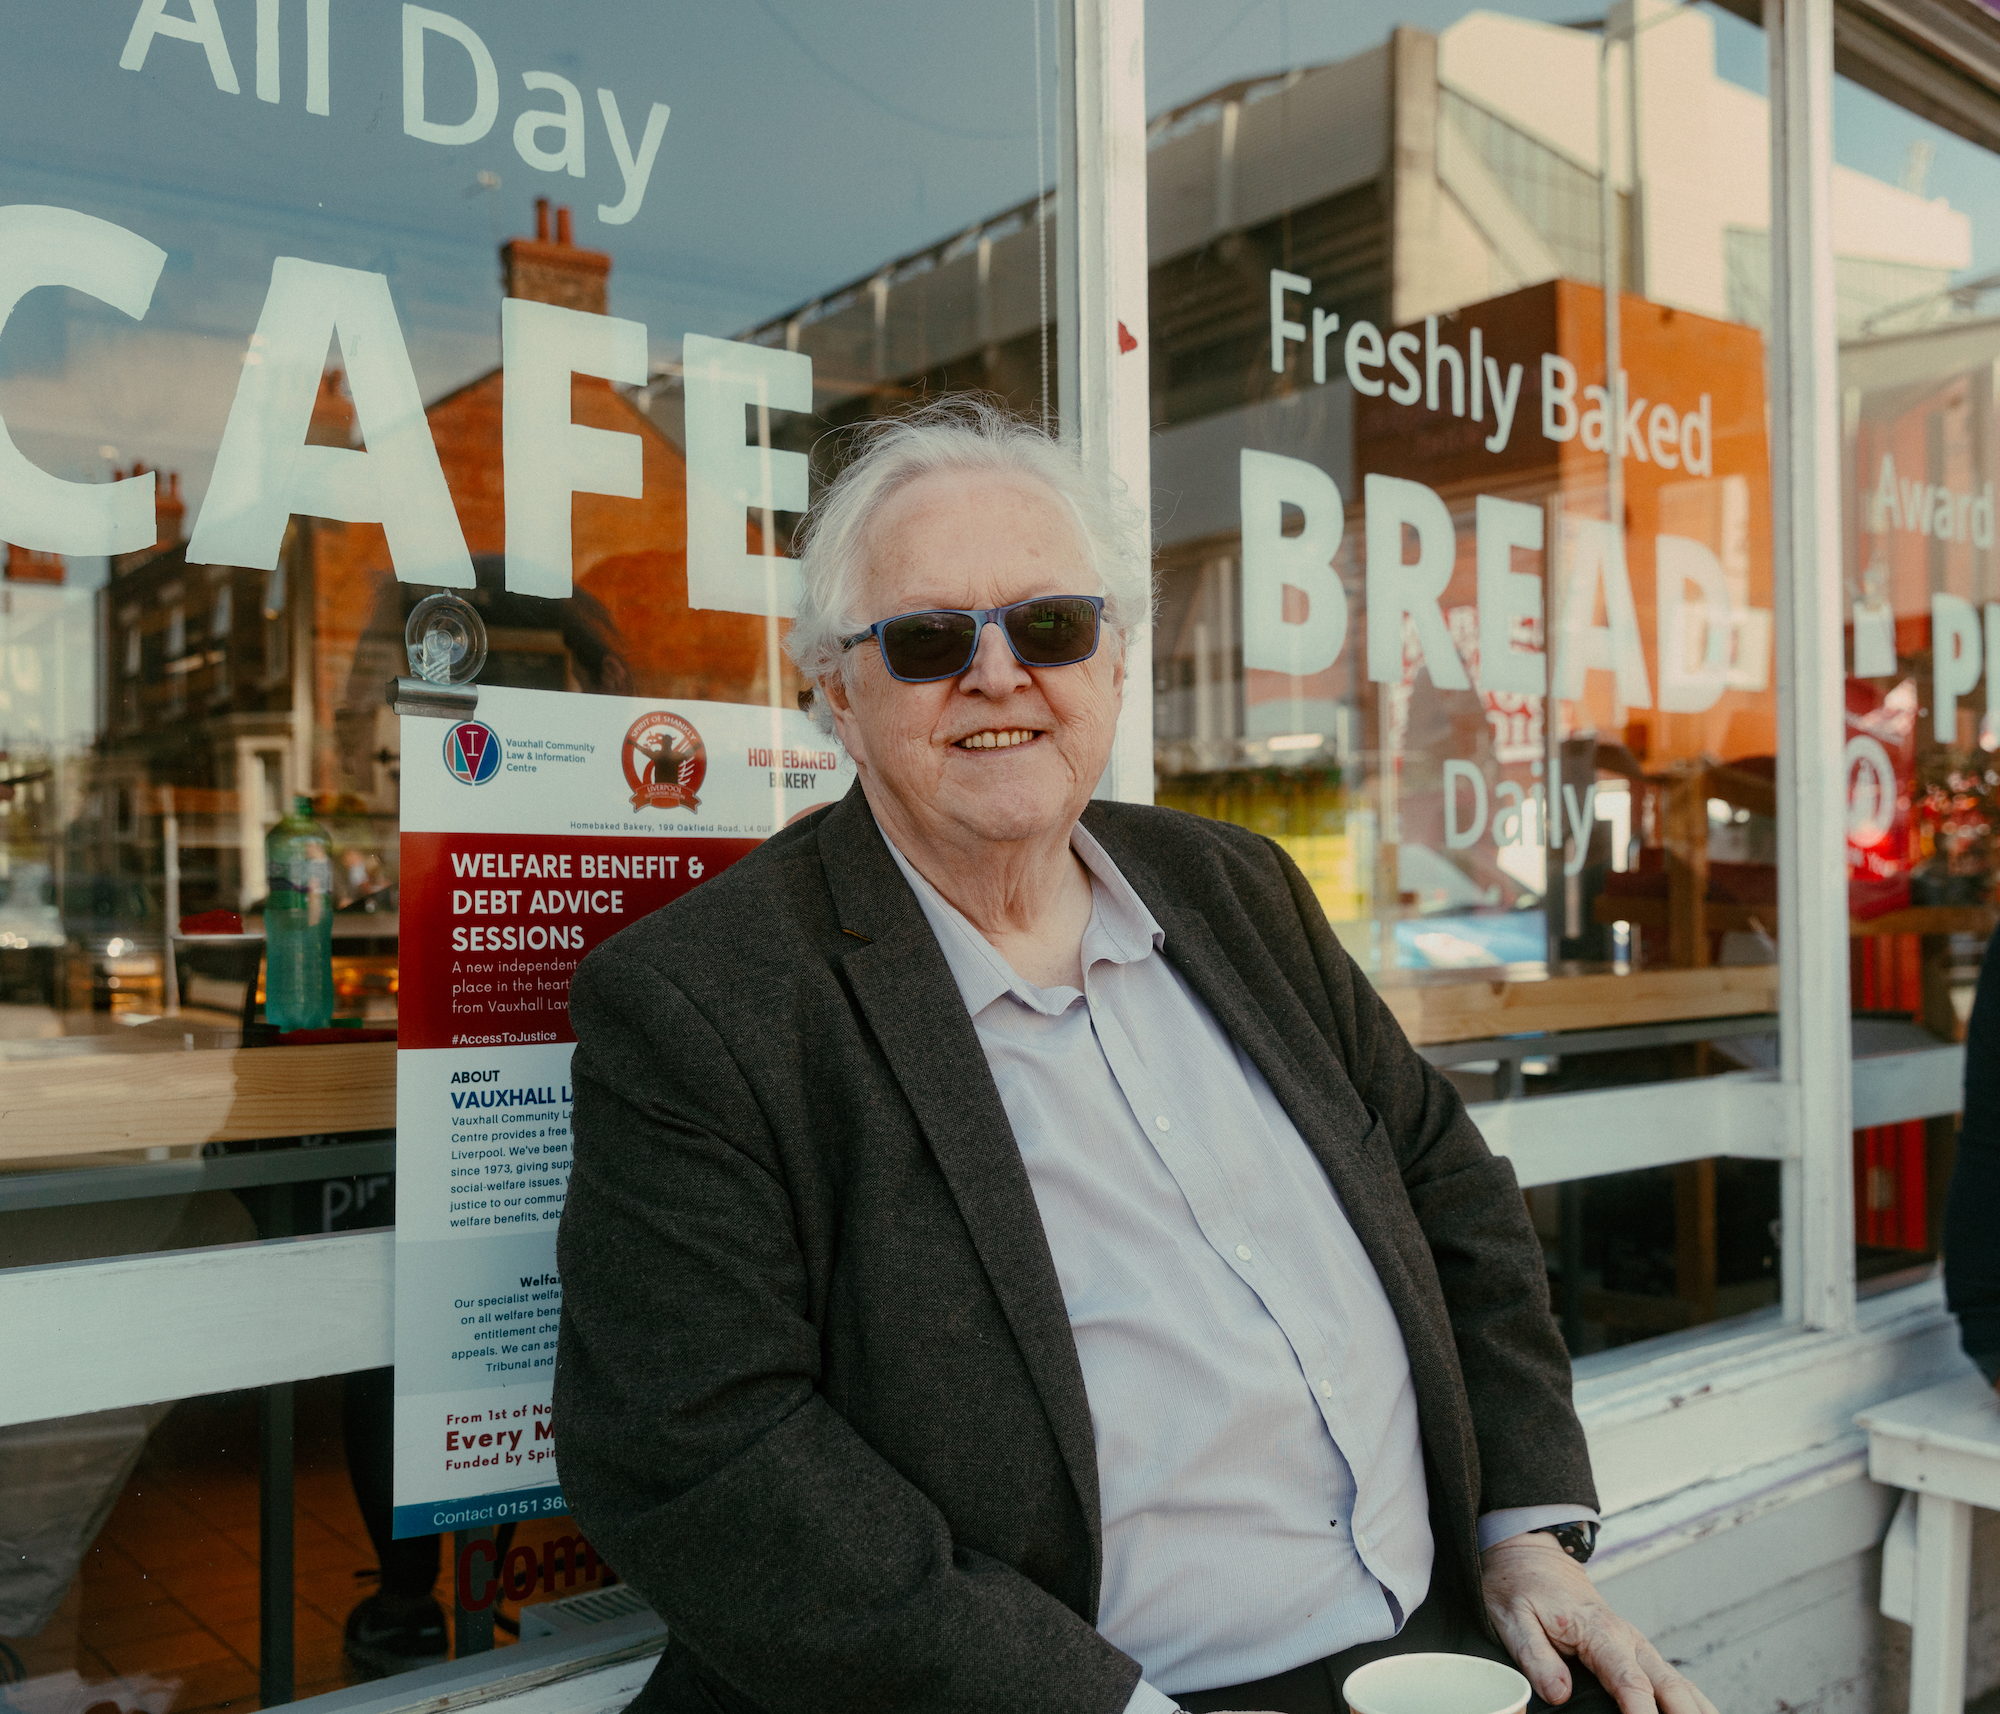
963 433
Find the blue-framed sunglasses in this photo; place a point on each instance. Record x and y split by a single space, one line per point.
1047 631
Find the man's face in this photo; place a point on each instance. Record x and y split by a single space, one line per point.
1002 752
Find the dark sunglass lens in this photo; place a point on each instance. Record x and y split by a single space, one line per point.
1056 632
928 645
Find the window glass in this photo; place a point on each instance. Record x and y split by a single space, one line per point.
256 399
1487 648
1919 590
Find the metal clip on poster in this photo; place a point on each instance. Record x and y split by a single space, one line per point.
446 640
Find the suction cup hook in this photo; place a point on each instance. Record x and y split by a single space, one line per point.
446 640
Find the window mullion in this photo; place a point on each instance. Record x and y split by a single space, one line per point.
1816 1049
1104 276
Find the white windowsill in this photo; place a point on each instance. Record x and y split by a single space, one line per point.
1712 1403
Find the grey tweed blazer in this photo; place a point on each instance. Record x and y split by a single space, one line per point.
816 1396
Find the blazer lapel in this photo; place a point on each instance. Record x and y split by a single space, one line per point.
905 989
1193 949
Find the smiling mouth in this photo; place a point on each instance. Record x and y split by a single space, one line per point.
1007 740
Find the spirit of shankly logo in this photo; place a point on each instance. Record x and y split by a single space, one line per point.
665 762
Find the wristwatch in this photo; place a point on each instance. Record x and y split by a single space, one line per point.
1578 1540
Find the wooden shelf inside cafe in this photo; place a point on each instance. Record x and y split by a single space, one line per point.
1926 919
1472 1008
97 1103
1719 918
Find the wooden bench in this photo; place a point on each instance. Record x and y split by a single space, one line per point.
1943 1445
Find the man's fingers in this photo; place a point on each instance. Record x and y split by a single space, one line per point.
1675 1694
1545 1610
1521 1630
1606 1647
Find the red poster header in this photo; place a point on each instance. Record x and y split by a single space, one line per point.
495 924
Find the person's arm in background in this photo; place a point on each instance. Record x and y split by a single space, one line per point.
1972 1219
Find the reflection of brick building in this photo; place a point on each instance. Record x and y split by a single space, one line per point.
630 558
198 695
238 688
26 565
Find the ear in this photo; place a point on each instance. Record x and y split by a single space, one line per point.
834 688
845 726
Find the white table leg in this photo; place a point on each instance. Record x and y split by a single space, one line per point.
1944 1590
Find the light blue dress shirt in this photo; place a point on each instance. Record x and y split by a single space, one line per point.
1260 1470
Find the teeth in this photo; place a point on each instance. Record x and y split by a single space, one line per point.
994 740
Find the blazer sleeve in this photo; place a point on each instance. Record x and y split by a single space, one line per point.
799 1568
1532 1450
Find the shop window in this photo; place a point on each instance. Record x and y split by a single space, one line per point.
1635 1254
173 701
1920 593
1488 648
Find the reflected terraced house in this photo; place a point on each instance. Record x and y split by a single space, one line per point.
234 689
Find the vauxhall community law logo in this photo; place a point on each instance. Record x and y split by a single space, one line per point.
665 761
472 752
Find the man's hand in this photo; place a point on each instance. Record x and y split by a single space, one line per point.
1546 1608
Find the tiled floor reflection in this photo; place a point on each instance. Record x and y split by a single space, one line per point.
163 1617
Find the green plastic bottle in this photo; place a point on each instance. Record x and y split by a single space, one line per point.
298 922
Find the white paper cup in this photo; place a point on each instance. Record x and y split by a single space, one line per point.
1435 1684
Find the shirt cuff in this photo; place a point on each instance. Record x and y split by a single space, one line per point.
1519 1520
1147 1700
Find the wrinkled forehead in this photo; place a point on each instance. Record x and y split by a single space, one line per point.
974 538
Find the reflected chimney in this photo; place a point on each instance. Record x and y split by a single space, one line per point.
333 418
169 512
556 271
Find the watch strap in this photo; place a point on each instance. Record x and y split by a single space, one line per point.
1578 1540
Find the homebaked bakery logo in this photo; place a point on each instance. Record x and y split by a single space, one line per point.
472 752
665 762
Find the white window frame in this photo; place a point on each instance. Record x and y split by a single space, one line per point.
1802 1117
1813 1004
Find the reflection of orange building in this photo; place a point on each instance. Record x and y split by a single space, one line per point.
239 687
25 565
630 556
1920 494
1681 365
1661 696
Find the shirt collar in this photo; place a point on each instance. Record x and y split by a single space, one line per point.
1121 931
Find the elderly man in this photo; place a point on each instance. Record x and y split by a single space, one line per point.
1013 1259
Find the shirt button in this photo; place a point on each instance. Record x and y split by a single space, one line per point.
1164 1122
1326 1389
1243 1252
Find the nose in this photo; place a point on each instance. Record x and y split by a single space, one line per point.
994 670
